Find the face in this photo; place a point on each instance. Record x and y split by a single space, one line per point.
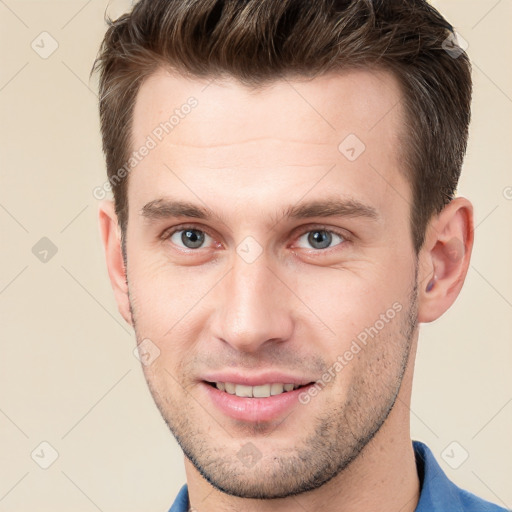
268 244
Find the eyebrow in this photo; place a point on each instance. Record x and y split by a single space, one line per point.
167 208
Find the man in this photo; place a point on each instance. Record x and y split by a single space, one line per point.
283 220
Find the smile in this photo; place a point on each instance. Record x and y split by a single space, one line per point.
261 391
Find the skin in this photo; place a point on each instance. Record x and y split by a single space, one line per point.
248 155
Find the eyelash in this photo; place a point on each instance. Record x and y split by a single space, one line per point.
166 235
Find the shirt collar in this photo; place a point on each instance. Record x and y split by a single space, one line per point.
437 492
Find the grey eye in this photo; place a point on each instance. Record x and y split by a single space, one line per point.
189 238
320 238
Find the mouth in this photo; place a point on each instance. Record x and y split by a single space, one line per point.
255 397
261 391
249 404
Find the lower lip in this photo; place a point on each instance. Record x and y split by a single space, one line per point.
254 409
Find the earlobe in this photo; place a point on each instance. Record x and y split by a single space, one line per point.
111 238
445 258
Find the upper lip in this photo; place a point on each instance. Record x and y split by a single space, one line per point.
257 380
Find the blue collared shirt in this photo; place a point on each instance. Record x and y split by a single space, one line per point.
438 493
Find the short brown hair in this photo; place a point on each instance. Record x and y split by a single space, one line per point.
258 41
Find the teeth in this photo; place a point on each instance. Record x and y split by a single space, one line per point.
262 391
241 390
276 389
230 388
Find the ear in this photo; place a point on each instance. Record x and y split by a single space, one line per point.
111 238
444 258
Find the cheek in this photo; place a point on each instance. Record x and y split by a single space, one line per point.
352 299
161 289
370 324
168 303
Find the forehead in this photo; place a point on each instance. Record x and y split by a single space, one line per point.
326 106
290 131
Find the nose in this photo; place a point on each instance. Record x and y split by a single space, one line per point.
253 307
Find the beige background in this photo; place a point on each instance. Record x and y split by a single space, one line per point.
67 372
